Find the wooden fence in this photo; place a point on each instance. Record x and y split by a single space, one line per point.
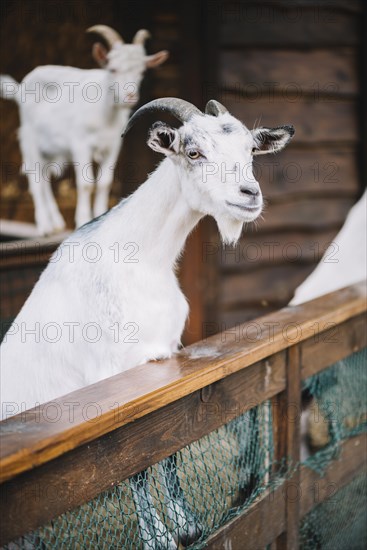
149 412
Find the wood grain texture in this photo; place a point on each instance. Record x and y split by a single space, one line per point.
267 284
338 342
269 249
306 214
255 528
328 120
274 24
30 439
316 171
317 72
288 419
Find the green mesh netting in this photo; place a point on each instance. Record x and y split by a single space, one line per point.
338 411
219 476
339 523
339 406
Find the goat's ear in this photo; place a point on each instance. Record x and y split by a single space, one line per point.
164 139
271 140
99 53
156 59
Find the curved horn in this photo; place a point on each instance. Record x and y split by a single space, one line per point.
112 37
215 108
181 109
141 36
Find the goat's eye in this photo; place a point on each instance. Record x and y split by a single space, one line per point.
193 154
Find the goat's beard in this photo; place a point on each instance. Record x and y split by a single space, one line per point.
230 229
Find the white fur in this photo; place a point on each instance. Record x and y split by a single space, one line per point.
83 125
138 290
345 260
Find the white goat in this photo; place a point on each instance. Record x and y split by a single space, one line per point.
75 116
109 299
345 260
344 263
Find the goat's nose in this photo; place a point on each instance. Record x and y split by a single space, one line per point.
249 191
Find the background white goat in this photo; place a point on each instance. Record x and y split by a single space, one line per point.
345 260
344 263
109 299
71 115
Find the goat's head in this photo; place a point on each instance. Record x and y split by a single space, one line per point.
126 63
214 153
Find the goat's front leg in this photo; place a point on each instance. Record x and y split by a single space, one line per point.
153 532
54 213
178 509
34 168
104 181
84 184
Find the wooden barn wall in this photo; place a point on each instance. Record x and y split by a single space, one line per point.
284 62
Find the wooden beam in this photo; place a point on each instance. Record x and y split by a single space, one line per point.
289 415
255 528
339 341
30 252
30 439
79 475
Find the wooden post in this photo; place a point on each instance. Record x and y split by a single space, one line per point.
287 417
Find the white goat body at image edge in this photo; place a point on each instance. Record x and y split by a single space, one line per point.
344 263
136 306
75 116
345 260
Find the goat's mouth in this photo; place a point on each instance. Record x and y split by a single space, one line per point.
254 211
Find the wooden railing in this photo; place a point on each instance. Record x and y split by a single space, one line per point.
21 263
60 455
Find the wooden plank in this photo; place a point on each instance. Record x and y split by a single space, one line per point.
315 171
306 214
288 448
271 24
231 318
265 285
18 229
328 120
29 253
268 510
263 249
114 457
18 284
338 342
29 439
192 280
79 475
342 5
351 342
255 528
316 72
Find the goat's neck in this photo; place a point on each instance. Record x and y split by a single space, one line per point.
115 108
158 218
